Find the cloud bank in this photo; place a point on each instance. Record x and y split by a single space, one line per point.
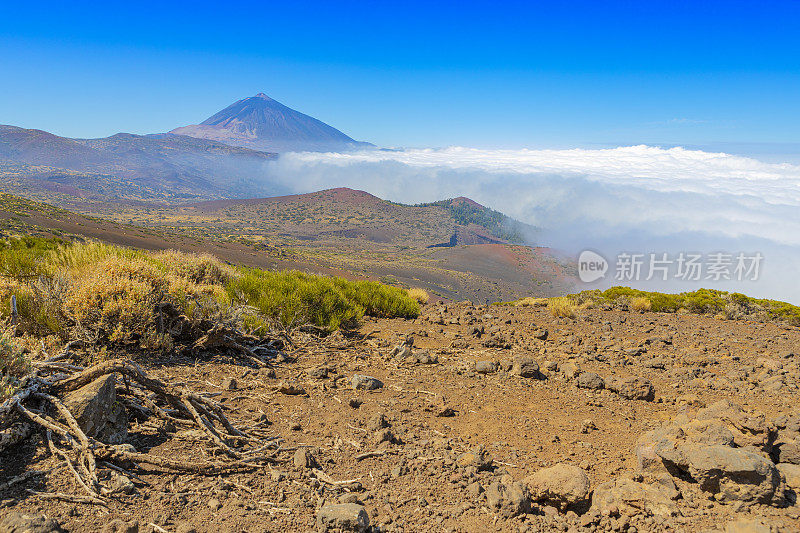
634 198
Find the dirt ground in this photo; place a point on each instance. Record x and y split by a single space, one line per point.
400 449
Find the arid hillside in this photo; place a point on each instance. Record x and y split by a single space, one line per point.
454 253
468 418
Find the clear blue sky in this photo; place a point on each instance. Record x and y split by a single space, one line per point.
414 73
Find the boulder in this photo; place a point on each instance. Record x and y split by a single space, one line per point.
748 428
732 474
97 411
589 380
647 459
362 382
508 500
791 473
342 517
561 485
25 523
626 496
787 451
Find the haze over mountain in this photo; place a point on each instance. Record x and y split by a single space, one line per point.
261 123
159 166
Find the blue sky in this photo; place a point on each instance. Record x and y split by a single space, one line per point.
491 75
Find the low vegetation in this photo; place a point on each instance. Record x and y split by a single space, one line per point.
641 304
420 295
107 294
562 307
495 222
731 305
13 363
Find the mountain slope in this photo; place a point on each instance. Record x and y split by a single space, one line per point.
456 253
262 123
160 166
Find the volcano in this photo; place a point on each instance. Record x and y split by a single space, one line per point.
261 123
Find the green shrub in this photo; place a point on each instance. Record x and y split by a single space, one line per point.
701 301
293 298
21 257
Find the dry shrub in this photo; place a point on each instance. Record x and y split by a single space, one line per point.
420 295
641 304
115 299
13 363
531 302
562 307
204 269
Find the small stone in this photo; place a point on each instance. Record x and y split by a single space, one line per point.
561 485
474 489
633 388
485 367
303 458
362 382
343 517
97 411
526 367
478 457
291 389
355 403
121 484
320 372
377 422
230 383
569 369
214 504
121 526
349 497
590 380
508 499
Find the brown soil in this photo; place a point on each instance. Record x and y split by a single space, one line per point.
416 483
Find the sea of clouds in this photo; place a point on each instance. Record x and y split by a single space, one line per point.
636 199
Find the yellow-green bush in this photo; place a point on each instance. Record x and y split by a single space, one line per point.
420 295
562 307
641 303
108 293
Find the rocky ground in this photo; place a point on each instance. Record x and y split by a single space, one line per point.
469 418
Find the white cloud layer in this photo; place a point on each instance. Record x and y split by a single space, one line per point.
635 198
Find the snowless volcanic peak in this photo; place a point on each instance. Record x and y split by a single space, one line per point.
263 123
